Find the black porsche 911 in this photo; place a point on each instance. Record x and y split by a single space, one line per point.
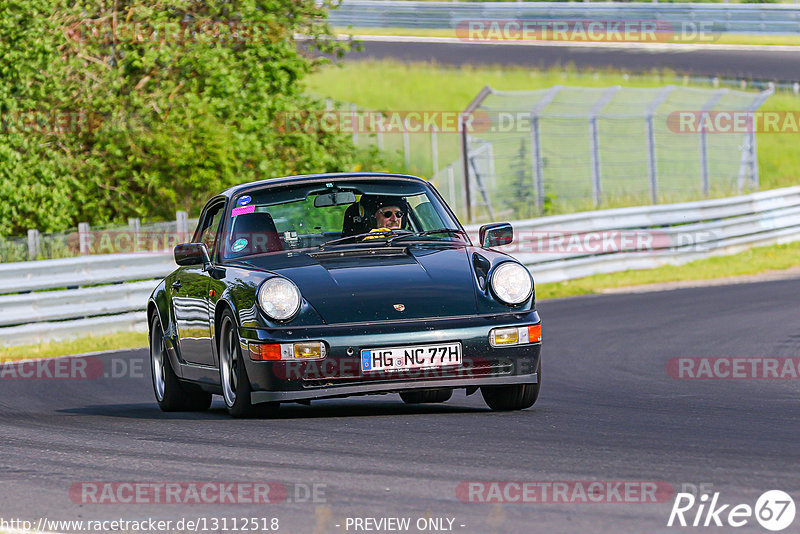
322 286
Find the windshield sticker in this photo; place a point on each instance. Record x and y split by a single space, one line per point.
239 245
244 201
242 210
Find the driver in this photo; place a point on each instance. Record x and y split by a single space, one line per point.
387 213
390 217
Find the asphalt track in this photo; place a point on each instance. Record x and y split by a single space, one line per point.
779 65
608 411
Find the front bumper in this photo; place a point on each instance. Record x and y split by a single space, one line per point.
339 374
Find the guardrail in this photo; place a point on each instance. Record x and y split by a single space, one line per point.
564 247
34 308
742 18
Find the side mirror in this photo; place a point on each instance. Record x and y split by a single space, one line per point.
192 254
496 234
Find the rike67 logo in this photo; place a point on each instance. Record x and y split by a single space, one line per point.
774 510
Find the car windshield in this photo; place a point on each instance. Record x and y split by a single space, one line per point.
333 213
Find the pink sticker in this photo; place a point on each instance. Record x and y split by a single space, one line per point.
242 210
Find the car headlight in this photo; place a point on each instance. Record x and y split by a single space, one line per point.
512 283
279 298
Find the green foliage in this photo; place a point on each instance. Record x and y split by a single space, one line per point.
142 108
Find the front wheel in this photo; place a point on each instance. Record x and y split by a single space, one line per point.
427 396
171 395
233 375
515 397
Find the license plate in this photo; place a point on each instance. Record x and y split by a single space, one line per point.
414 357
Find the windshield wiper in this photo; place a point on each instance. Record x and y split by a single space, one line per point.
425 233
382 233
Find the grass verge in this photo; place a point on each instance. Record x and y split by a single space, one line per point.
754 261
121 340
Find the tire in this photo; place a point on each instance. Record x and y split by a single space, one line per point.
171 394
426 396
515 397
232 372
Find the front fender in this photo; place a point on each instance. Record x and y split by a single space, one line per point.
161 304
484 261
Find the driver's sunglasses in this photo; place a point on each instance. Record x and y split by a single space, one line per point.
388 213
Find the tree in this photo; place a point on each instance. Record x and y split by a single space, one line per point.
156 105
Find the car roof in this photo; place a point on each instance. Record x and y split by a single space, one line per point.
308 178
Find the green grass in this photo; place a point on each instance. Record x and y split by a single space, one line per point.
122 340
722 38
754 261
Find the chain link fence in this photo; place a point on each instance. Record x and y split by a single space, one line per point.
567 149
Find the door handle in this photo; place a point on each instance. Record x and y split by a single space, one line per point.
176 285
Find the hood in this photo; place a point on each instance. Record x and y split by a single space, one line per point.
423 282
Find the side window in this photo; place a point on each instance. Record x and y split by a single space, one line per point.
210 226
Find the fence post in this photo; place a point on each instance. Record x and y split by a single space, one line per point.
134 225
651 140
594 141
651 158
33 244
704 158
354 122
537 164
84 238
750 136
182 226
379 126
708 106
465 157
406 143
597 192
434 151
